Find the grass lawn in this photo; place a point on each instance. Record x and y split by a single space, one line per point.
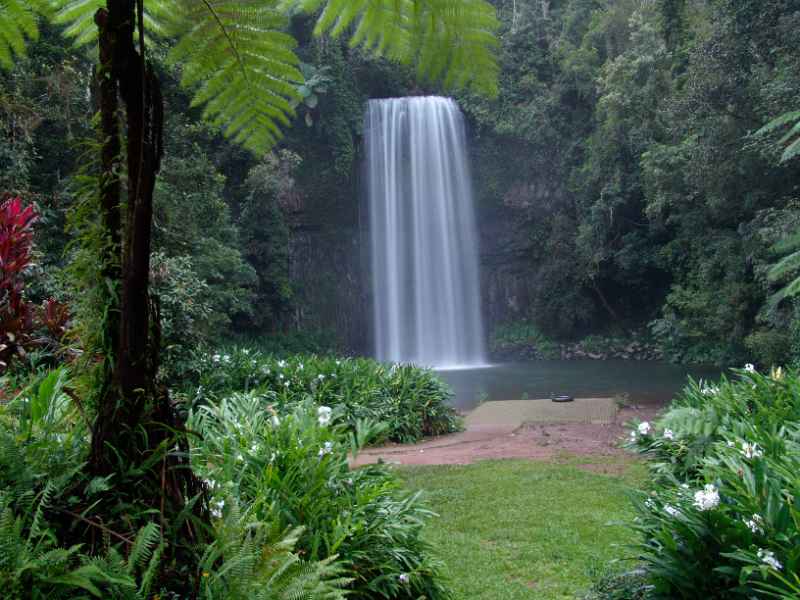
513 530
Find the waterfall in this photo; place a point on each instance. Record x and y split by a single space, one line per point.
424 242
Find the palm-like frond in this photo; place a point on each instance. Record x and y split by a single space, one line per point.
449 40
18 23
241 61
790 142
78 18
238 56
787 267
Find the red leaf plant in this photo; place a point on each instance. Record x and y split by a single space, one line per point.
16 242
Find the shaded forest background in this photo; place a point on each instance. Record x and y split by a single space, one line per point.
619 184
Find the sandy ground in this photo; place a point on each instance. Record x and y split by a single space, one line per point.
535 441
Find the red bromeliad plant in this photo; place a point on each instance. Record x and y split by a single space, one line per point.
16 241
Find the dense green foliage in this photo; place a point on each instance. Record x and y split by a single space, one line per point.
44 443
292 468
649 200
720 516
408 401
290 517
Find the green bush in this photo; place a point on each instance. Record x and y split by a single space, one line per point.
722 517
411 402
520 336
43 446
294 469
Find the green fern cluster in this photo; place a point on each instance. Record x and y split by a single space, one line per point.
18 23
33 564
449 40
259 563
785 271
790 141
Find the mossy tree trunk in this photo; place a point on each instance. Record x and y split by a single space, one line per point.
136 428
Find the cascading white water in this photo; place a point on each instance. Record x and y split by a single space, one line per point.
423 237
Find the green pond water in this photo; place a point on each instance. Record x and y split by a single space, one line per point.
644 382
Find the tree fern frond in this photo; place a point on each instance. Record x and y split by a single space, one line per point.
18 23
791 140
452 41
242 61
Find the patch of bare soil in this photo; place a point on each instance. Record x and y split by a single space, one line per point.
534 441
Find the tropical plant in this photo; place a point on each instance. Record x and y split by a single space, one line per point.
16 241
293 469
790 142
410 401
719 518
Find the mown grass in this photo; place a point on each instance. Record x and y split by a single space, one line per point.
513 530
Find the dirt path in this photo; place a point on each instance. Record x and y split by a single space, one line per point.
535 441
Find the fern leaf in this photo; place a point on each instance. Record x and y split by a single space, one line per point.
242 63
18 23
452 41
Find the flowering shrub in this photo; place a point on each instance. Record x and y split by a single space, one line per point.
294 468
722 519
410 401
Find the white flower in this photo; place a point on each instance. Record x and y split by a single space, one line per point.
245 351
320 377
254 447
216 508
282 364
669 434
286 384
215 358
403 578
649 504
275 421
751 450
755 524
644 427
299 366
707 498
324 415
730 444
768 558
671 510
338 362
633 435
749 368
226 358
327 448
239 457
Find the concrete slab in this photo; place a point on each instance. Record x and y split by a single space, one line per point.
513 413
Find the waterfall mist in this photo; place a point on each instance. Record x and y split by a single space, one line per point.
424 242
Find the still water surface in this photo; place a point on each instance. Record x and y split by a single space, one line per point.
644 382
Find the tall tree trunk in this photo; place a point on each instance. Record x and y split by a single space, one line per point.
132 361
135 419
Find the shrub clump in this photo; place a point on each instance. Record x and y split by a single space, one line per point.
721 518
410 401
292 469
